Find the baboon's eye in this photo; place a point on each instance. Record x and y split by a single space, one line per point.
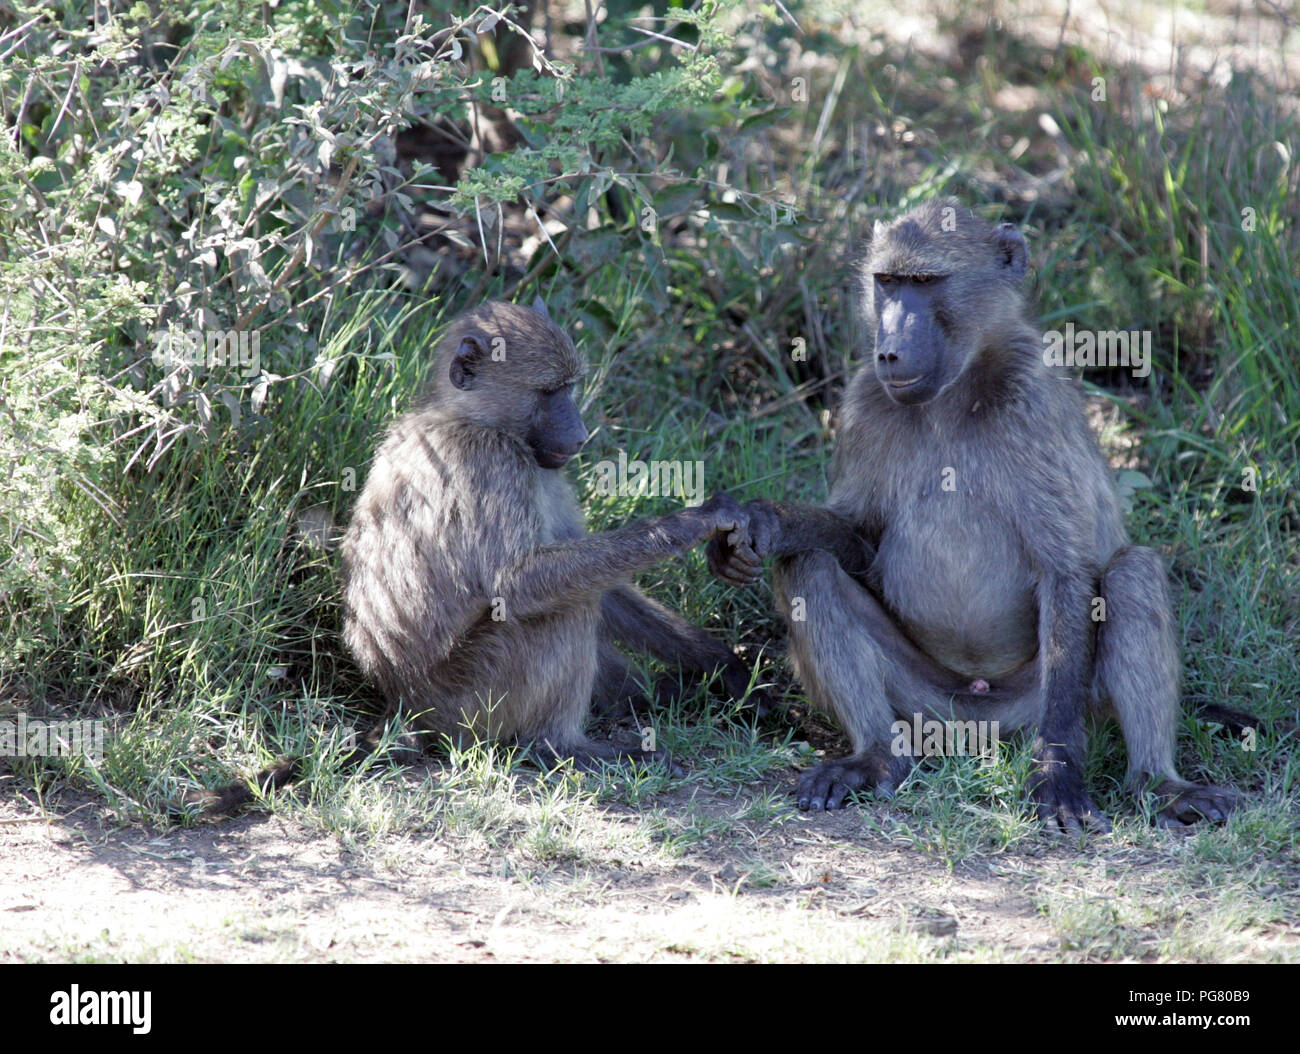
884 279
923 279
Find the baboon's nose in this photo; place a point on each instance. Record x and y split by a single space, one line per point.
571 445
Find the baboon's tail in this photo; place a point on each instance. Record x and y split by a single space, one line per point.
215 804
1235 722
220 803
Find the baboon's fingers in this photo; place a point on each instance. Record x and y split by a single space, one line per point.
743 577
736 678
760 702
715 554
743 566
742 551
723 570
657 757
740 576
1058 821
1062 820
829 784
217 804
1097 821
729 564
760 535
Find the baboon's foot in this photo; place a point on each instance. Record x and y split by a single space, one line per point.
826 786
1189 803
625 706
1063 804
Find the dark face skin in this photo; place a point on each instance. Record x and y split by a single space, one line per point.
915 357
926 317
556 431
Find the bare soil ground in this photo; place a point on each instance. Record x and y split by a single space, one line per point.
827 887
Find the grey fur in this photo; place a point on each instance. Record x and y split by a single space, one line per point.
475 598
971 524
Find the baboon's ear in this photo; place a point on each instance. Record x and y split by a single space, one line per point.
539 305
465 360
878 230
1012 252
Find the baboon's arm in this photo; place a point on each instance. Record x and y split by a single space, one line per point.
555 575
1065 658
804 527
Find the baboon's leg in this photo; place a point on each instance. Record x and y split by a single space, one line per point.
618 690
1136 678
628 615
852 661
566 667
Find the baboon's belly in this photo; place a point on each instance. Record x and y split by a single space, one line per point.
963 593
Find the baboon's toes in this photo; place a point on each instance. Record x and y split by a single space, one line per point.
654 758
1198 803
761 703
670 766
1065 808
826 786
1072 823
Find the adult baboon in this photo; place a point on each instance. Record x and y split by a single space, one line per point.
474 597
971 563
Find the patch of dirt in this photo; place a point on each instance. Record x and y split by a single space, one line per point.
268 889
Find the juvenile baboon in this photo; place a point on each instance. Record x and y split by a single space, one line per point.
971 563
474 597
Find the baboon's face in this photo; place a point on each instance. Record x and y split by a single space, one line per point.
555 431
513 370
918 341
941 287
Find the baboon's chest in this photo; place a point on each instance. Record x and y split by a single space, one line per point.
952 567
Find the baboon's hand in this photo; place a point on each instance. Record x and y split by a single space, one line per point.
722 521
737 557
721 514
1063 803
